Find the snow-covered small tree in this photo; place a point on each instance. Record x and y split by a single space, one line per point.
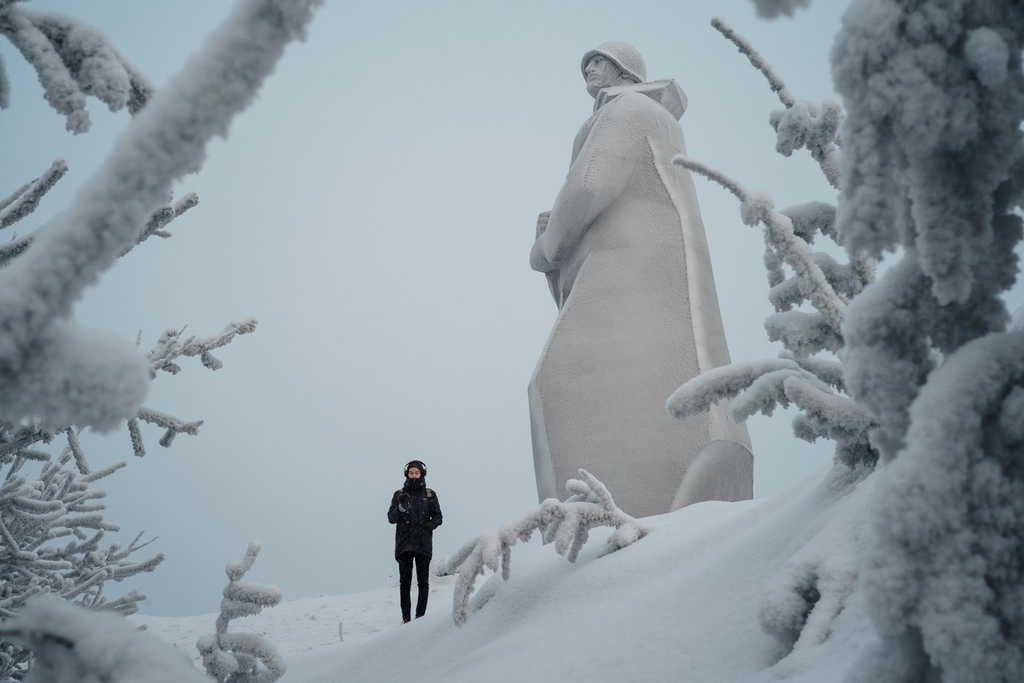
801 376
566 524
242 657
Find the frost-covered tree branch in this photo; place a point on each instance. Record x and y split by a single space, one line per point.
703 391
72 645
760 387
163 216
170 347
164 141
173 425
51 536
72 61
25 200
756 60
154 227
800 124
567 525
242 657
817 280
781 236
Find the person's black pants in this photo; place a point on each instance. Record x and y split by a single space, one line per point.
405 562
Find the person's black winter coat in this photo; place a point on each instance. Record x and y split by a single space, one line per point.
416 523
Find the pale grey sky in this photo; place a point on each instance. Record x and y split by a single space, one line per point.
374 210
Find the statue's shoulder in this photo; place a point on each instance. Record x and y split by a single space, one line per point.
633 111
658 97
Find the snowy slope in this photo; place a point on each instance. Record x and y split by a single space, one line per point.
303 624
682 604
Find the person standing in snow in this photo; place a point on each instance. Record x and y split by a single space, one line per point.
416 513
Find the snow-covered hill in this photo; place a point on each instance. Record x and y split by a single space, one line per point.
685 603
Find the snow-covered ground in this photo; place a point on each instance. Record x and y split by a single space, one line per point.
685 603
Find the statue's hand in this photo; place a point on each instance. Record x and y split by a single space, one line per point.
537 259
542 222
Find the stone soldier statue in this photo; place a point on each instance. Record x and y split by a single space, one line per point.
627 262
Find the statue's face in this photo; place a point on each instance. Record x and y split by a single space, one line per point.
601 72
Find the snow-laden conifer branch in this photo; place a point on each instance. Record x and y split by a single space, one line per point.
824 414
75 448
801 124
770 390
8 250
74 645
170 346
13 196
828 371
173 425
756 60
814 386
773 265
14 439
811 219
135 436
782 238
59 87
166 140
51 533
703 391
839 418
841 277
816 127
242 657
27 199
760 387
96 66
163 216
726 182
803 333
202 346
567 525
72 61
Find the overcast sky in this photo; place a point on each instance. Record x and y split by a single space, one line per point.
374 210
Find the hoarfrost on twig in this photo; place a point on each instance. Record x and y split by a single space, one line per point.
242 657
567 525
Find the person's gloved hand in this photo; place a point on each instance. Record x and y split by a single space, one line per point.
403 502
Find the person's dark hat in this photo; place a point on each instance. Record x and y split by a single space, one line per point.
418 464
